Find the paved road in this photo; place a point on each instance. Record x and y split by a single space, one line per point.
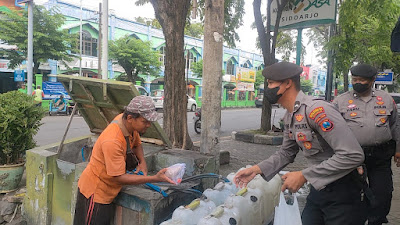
53 127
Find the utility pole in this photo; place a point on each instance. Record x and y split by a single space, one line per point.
29 67
80 41
329 75
104 41
212 79
187 71
99 43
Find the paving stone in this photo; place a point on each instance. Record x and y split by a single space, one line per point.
7 208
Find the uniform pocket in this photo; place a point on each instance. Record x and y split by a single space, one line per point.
308 142
353 118
381 117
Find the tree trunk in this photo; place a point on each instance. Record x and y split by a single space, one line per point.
264 36
345 81
212 79
172 17
35 68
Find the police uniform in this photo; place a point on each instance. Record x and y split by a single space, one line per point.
374 122
317 128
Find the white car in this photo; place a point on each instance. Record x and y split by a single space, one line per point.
158 98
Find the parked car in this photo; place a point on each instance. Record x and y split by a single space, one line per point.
396 98
142 90
158 98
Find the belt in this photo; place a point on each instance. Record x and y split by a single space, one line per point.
380 146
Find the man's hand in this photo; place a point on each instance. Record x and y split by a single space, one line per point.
293 181
161 177
142 166
397 159
243 177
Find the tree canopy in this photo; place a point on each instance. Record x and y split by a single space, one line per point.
234 11
49 41
135 56
363 35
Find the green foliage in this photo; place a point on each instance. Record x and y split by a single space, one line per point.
194 30
148 21
364 33
49 41
233 17
306 85
259 79
135 56
197 68
319 37
19 122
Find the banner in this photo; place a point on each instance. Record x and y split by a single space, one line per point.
243 86
245 74
53 90
305 13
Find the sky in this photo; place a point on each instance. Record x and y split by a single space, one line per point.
127 9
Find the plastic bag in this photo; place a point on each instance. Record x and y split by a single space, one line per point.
175 172
287 214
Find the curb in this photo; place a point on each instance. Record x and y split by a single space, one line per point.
257 138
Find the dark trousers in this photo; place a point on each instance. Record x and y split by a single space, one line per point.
339 203
378 162
88 212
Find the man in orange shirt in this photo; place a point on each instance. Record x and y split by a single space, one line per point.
105 174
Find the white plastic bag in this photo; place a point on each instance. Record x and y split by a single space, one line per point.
287 214
176 172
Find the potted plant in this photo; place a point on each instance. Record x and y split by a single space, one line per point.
19 122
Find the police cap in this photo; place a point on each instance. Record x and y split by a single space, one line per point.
282 71
363 70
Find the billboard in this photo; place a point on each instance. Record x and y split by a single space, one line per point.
245 74
243 86
305 13
384 78
53 90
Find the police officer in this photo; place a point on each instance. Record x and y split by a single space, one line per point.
316 128
372 116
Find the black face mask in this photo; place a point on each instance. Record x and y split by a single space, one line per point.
272 94
360 88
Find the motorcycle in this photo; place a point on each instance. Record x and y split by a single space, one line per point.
197 121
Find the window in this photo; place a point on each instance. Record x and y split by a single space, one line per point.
89 44
245 65
230 68
190 60
162 55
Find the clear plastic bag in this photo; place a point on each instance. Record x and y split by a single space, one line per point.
287 214
176 172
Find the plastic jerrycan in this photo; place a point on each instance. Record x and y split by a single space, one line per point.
237 210
192 213
220 192
213 218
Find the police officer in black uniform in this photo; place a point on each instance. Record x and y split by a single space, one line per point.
372 116
331 149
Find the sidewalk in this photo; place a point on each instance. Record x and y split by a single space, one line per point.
243 154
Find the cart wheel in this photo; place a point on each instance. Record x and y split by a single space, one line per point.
49 113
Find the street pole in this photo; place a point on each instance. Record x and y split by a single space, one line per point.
212 79
104 41
29 67
80 42
99 43
298 45
329 75
187 71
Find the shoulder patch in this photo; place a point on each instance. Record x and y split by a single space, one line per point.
315 112
351 101
326 125
320 118
299 117
307 145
